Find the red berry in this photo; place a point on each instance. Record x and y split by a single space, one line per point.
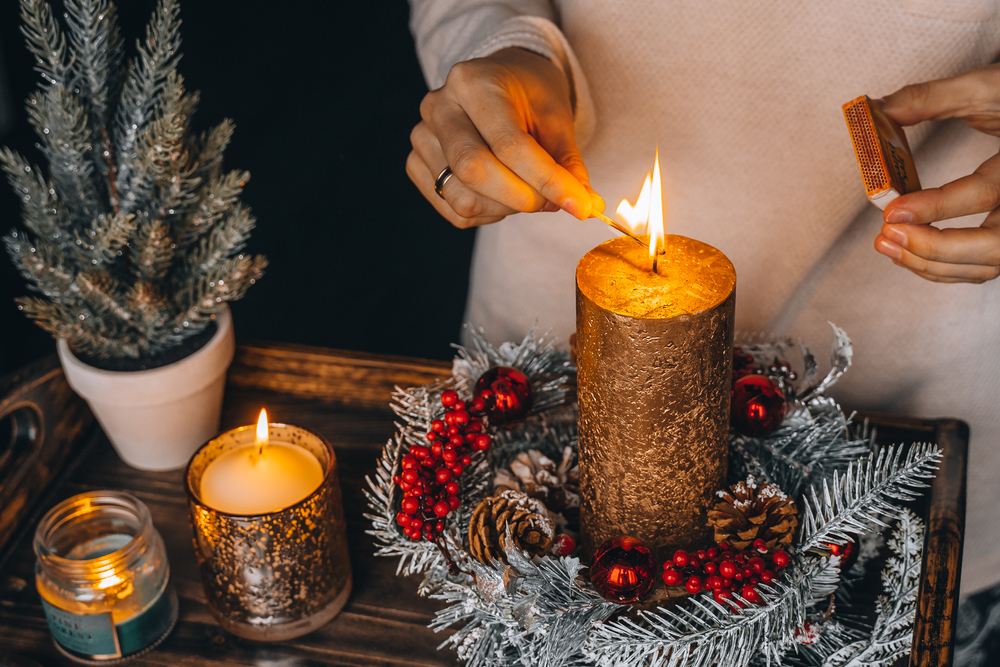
727 569
767 576
409 462
428 462
449 398
443 476
451 488
457 470
482 442
741 558
439 526
436 449
760 545
439 426
415 535
403 519
410 476
668 565
416 523
449 418
780 559
715 581
710 567
693 561
671 577
693 584
405 486
681 558
747 572
724 546
713 553
749 593
441 508
432 436
563 545
410 505
449 454
420 451
738 576
475 426
453 503
701 554
478 404
757 564
456 441
461 417
466 460
721 594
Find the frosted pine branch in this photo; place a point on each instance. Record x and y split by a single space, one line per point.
892 635
97 55
704 632
850 503
46 43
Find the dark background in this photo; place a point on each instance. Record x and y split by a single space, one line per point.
324 95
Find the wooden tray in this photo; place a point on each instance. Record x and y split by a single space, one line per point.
58 451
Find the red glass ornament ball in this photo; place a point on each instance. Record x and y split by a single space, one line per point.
758 406
848 552
622 570
507 394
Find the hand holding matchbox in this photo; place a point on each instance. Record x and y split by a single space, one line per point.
882 150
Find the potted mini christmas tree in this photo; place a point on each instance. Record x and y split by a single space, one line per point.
134 238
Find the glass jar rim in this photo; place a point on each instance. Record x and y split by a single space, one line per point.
92 502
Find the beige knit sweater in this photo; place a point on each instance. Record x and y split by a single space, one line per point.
744 100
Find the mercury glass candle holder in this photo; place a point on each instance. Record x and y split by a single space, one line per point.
278 575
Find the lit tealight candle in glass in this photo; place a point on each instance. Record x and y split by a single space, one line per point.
264 477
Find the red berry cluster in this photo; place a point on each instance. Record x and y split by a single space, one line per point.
725 571
429 479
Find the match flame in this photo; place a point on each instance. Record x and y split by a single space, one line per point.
262 430
646 217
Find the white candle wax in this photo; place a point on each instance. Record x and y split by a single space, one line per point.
252 480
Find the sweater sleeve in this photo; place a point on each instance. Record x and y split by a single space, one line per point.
451 31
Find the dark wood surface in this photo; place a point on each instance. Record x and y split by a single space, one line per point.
344 396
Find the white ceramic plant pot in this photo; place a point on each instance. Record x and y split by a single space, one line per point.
157 418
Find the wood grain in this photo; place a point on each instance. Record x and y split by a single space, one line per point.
350 379
937 602
44 421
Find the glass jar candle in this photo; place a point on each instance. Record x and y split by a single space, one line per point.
103 577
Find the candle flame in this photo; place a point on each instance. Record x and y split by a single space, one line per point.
262 430
646 216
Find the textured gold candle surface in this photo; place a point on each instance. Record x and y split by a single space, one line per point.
655 362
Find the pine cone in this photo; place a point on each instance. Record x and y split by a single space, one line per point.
557 486
748 512
510 514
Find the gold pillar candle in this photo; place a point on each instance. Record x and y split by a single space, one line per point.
278 574
654 352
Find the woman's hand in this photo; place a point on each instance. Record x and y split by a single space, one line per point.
965 255
504 124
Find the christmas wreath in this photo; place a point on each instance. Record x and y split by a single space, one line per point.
478 491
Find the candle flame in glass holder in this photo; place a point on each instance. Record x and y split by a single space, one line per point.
646 216
262 431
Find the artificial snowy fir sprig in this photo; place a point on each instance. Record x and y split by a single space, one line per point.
134 239
863 495
891 636
706 632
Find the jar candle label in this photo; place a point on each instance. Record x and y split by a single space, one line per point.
95 637
91 635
